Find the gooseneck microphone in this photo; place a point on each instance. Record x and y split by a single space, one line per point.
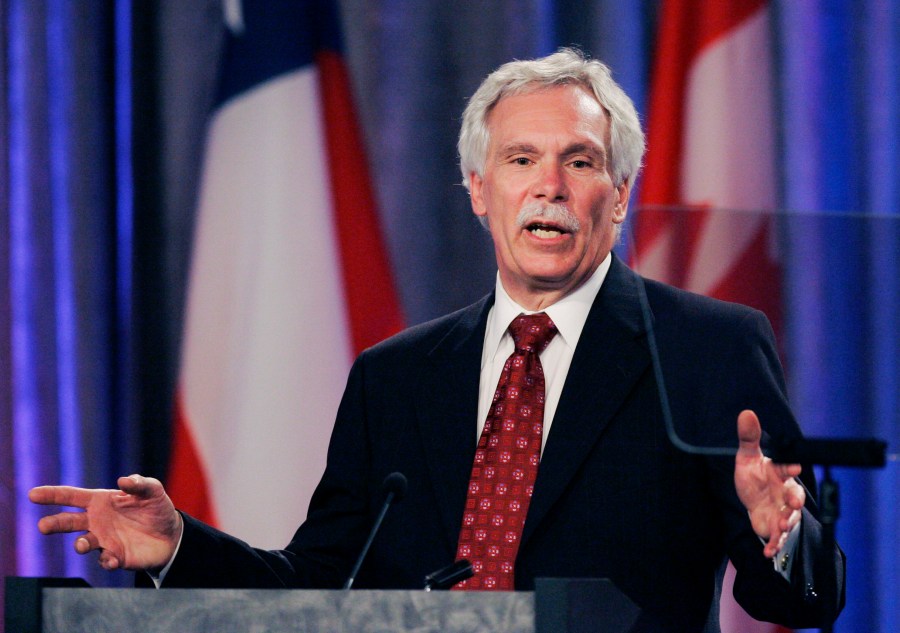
446 577
862 452
393 489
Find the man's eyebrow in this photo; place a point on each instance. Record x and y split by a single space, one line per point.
518 148
585 148
574 148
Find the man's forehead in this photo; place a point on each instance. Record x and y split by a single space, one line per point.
582 95
518 113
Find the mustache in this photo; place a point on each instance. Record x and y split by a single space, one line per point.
555 213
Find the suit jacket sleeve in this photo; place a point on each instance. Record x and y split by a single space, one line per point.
758 588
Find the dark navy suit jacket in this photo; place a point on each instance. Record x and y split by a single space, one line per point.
613 498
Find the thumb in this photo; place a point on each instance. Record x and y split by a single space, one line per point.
749 434
137 485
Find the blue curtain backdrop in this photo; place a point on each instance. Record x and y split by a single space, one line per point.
66 242
840 99
103 116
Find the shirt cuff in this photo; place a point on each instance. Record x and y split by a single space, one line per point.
158 578
783 561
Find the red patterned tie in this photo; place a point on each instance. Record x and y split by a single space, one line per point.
506 461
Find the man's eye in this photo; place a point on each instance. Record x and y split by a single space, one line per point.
580 164
521 160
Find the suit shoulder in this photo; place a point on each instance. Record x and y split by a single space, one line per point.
689 309
425 336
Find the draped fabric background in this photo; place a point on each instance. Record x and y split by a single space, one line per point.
840 96
67 245
102 123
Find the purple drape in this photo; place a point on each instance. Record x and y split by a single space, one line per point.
840 99
62 318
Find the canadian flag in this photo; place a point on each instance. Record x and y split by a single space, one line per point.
289 278
711 139
711 151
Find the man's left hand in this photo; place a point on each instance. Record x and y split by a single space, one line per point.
770 493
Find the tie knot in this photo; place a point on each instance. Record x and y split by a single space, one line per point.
532 332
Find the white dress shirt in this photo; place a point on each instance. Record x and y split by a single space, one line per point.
569 314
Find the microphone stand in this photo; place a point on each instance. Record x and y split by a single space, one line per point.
857 453
394 489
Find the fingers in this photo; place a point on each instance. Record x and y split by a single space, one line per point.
87 542
787 518
81 497
775 543
60 496
794 494
794 500
788 471
108 561
784 521
63 522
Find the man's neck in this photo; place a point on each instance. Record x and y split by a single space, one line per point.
536 299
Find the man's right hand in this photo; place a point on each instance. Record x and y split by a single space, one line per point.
135 527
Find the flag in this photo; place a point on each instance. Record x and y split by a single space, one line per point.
711 147
289 278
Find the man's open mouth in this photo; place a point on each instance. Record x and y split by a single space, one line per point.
545 231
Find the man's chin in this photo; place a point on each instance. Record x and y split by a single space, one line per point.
550 280
550 265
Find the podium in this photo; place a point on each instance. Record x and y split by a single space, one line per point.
41 605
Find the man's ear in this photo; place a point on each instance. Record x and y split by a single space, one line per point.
623 192
476 194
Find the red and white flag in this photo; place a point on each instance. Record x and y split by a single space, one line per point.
289 277
711 147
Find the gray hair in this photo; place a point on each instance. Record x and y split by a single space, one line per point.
565 67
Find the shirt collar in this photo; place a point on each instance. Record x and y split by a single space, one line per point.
569 313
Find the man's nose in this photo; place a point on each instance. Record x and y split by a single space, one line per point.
550 184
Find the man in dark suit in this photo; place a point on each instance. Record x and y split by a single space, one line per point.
549 149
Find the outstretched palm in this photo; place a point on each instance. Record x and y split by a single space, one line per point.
770 493
136 527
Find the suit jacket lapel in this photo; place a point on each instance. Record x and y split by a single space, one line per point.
447 408
610 357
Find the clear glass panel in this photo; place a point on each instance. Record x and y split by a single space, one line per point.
830 286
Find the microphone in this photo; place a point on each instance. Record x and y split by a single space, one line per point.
393 489
446 577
